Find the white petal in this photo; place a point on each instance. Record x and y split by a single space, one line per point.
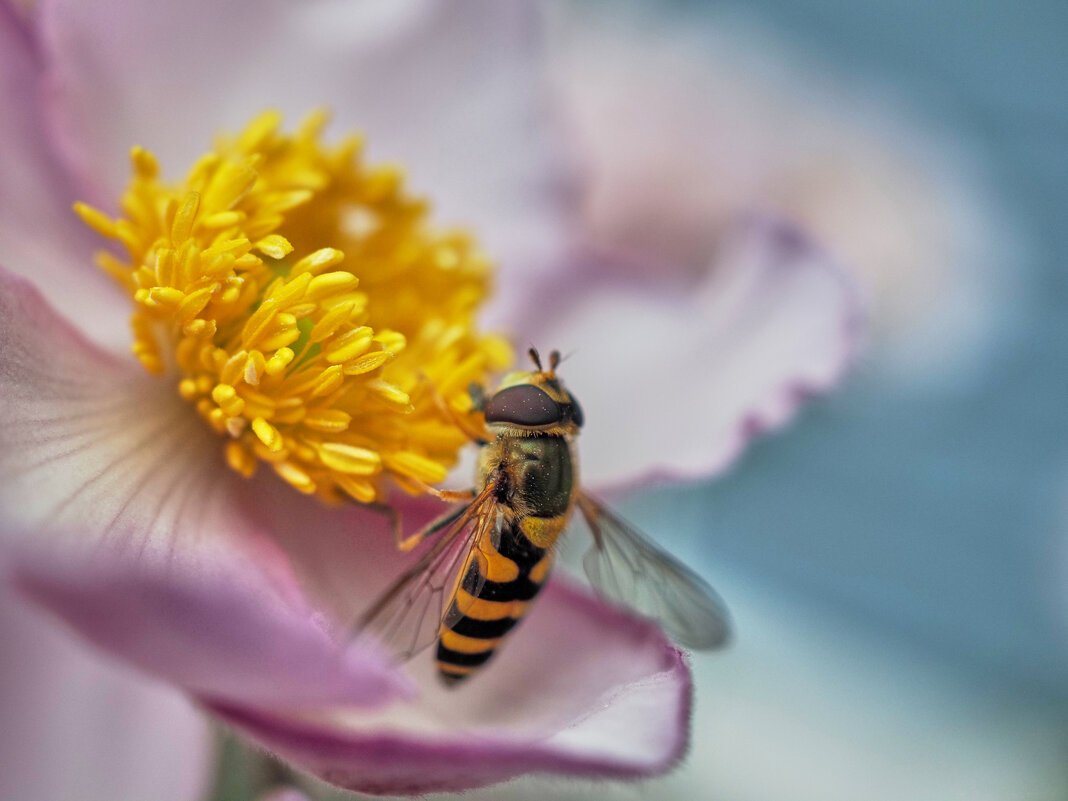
40 237
449 90
676 378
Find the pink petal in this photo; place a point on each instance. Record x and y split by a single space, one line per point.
677 375
450 90
40 236
77 726
130 531
581 689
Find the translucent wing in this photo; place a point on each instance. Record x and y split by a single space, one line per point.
626 567
407 616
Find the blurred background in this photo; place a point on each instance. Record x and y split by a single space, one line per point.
897 560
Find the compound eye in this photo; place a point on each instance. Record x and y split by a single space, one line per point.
576 412
523 405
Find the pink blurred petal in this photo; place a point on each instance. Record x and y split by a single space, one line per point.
79 727
449 90
677 374
341 557
130 533
683 126
40 237
581 689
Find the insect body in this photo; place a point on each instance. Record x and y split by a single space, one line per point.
493 553
529 467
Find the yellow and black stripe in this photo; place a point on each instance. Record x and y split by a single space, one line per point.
480 617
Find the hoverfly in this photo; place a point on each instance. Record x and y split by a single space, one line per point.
495 548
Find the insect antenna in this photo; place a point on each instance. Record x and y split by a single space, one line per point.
566 356
535 357
554 361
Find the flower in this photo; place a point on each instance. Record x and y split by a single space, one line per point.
119 511
321 373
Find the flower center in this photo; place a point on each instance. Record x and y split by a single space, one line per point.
307 307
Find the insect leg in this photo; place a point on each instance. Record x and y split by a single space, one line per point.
427 561
451 496
393 516
431 528
478 396
465 426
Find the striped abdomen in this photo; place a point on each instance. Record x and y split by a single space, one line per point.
479 618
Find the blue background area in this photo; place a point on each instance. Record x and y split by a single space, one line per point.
936 518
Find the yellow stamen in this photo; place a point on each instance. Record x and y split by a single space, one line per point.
302 302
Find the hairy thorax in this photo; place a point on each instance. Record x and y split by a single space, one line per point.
536 482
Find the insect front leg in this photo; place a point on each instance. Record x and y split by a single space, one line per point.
478 396
472 432
449 496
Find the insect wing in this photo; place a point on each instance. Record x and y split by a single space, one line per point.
472 574
407 616
626 567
